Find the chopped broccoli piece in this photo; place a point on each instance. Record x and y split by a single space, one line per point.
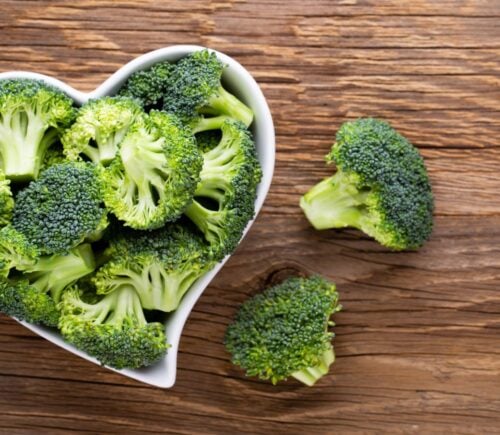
283 331
15 250
25 302
34 295
160 265
32 117
112 328
155 174
6 200
99 128
381 187
224 200
149 86
196 89
60 209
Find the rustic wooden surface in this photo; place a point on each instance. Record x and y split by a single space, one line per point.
418 341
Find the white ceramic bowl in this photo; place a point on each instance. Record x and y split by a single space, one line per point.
239 81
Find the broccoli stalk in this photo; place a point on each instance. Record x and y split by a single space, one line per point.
112 328
32 116
310 375
335 202
381 187
225 103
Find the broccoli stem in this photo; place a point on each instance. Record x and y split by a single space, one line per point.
127 308
54 273
334 203
24 141
310 375
227 104
205 220
210 123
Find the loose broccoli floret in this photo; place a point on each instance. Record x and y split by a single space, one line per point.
32 117
34 295
224 200
99 128
60 209
15 250
6 201
195 89
112 328
160 265
283 331
25 302
381 187
155 174
149 86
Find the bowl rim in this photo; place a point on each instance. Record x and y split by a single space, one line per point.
265 141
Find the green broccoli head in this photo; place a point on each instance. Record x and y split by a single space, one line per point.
60 209
195 89
6 200
155 174
225 197
381 187
15 250
149 86
23 301
160 265
99 128
283 331
32 118
112 328
53 156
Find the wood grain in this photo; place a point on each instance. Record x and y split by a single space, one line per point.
418 340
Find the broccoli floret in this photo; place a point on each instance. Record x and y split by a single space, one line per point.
34 295
283 331
195 89
381 187
6 200
99 128
60 209
112 328
32 117
224 200
53 156
149 86
160 265
155 174
25 302
15 250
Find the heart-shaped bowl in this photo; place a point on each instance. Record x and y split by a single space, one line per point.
238 81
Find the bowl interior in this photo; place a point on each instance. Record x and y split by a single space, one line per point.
239 81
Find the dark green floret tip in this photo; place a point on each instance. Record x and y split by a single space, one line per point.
60 209
283 331
381 187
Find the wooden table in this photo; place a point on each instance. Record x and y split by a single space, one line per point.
418 341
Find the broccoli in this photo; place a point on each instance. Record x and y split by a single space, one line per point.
99 128
195 90
25 302
32 117
60 209
111 328
6 200
381 187
15 250
34 295
283 331
160 265
224 200
155 174
148 86
53 156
